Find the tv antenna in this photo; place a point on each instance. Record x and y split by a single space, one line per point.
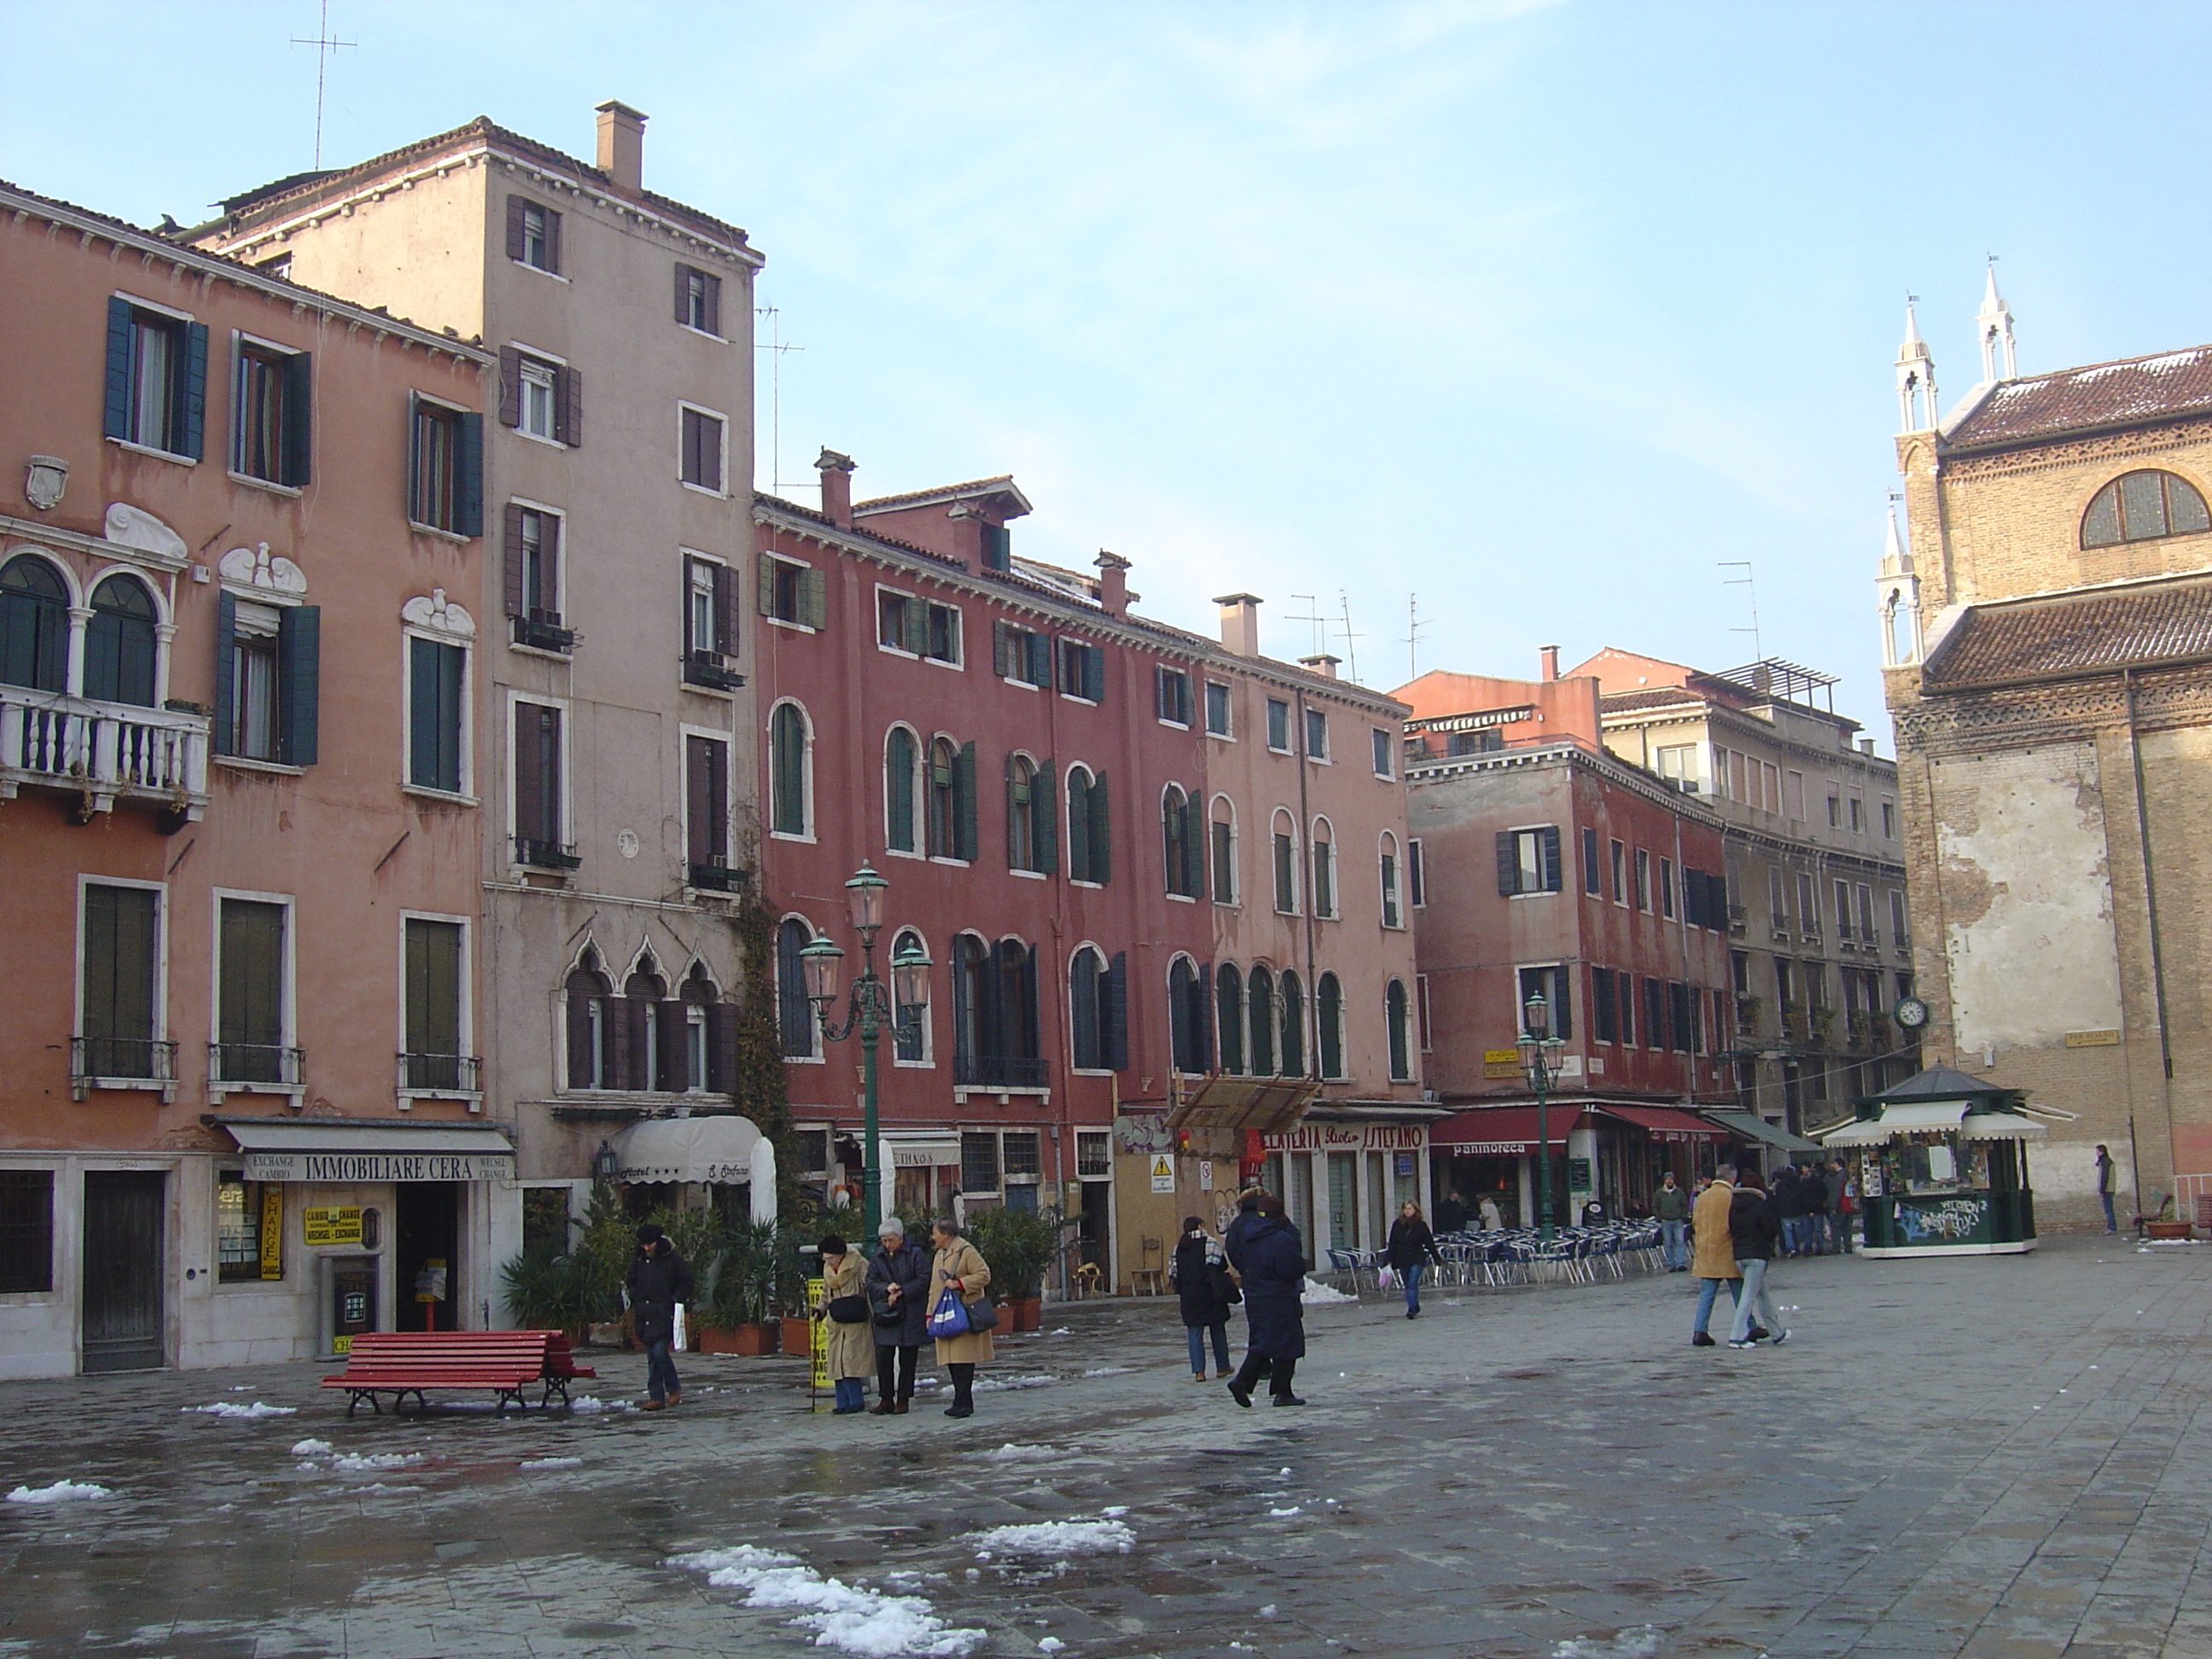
777 346
1412 639
1351 649
1749 581
1313 616
326 46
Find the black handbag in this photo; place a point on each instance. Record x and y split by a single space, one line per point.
888 1317
982 1315
848 1309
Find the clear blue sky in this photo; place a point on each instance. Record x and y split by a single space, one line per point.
1542 311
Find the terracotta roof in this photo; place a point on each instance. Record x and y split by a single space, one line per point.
2133 391
1658 697
1002 485
2074 633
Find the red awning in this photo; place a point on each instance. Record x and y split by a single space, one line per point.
1665 1123
1504 1130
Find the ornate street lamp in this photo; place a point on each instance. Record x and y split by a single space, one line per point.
1542 1055
868 1010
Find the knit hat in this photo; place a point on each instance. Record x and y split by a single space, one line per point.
891 1227
649 1234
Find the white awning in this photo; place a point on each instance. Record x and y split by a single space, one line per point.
2000 1126
910 1149
340 1149
1899 1118
722 1150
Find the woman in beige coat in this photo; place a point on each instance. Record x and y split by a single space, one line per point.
852 1348
959 1267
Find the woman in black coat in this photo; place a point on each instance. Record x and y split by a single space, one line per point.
1272 1263
1200 1277
897 1289
1411 1248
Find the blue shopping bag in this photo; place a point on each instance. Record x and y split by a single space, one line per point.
949 1318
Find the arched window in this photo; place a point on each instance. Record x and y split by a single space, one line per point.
591 1042
1285 833
649 1045
1089 848
899 792
1898 626
791 772
1390 870
1022 814
941 794
1293 1026
1222 850
1393 1017
1229 999
794 1014
1189 1016
973 1024
705 1065
1086 1010
1184 858
1324 869
909 1021
1015 964
995 1013
118 644
1329 1019
2139 507
33 625
1259 998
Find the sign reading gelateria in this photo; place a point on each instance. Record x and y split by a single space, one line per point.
1349 1137
380 1166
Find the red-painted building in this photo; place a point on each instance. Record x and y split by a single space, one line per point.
1552 866
1135 855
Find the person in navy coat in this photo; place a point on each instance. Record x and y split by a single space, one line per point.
1272 1263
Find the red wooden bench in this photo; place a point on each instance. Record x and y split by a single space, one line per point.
401 1363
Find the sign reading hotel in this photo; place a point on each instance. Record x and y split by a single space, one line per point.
1350 1138
367 1168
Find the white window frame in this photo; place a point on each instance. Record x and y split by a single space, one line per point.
692 558
928 1060
1234 899
1391 893
288 1031
466 795
132 444
684 732
920 850
773 621
958 659
1191 691
1298 864
530 357
1290 722
1066 814
1067 991
1315 842
468 1012
160 1021
514 699
1228 734
551 214
876 619
811 822
1417 886
239 339
722 424
1385 751
1328 755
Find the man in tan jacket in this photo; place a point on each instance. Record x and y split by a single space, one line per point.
1713 1258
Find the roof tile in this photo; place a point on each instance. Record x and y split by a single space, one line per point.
2128 392
2075 632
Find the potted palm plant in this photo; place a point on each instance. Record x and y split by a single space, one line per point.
1018 1245
734 1313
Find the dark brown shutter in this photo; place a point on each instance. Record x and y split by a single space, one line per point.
552 241
626 1041
580 1041
568 391
698 764
684 294
722 1047
713 318
726 609
514 240
510 386
514 603
672 1063
1509 865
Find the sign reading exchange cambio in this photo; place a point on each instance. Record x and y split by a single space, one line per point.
368 1167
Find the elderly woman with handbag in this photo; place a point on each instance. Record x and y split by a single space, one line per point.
961 1315
898 1302
851 1356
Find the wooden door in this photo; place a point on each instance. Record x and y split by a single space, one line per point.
123 1313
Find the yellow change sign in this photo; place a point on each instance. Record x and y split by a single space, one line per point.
330 1225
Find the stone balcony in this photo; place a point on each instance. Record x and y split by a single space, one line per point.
104 752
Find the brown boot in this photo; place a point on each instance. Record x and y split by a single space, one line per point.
651 1405
676 1397
901 1408
882 1408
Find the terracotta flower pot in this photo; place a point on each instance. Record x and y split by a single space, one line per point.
753 1340
1025 1313
798 1335
2168 1229
713 1341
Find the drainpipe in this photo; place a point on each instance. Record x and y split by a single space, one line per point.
1306 881
2157 950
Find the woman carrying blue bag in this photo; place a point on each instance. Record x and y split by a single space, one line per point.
959 1302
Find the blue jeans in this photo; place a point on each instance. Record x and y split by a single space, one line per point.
1708 1289
1753 1302
660 1371
1198 1335
2111 1225
852 1393
1671 1251
1411 1277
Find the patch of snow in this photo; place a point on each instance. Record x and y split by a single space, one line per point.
353 1463
230 1408
241 1387
1642 1643
554 1463
1107 1370
312 1448
1113 1511
1013 1452
1064 1330
1001 1384
1049 1644
62 1491
1280 1514
589 1402
1318 1295
378 1487
1050 1539
1267 1612
857 1619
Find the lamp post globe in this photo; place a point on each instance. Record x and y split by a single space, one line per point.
821 963
867 889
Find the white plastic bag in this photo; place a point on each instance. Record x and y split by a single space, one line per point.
1386 1279
680 1345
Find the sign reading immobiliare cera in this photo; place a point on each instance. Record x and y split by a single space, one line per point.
366 1167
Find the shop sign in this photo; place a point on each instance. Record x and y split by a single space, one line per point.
366 1167
1579 1175
272 1232
1404 1166
1162 1173
1500 1063
329 1225
1350 1137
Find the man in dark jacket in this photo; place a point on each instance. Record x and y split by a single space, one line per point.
658 1279
1754 1228
1248 1211
1272 1262
897 1285
1789 1213
1813 1199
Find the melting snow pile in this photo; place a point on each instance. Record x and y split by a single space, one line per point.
229 1408
554 1463
858 1621
1061 1539
312 1448
1642 1643
353 1464
62 1491
1318 1295
1014 1453
1278 1513
1001 1384
592 1403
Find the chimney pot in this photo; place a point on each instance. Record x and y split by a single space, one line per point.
1113 583
837 472
621 146
1551 653
1240 623
1865 745
1322 664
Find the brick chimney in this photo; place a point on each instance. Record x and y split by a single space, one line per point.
837 472
1240 623
1113 583
1550 655
621 146
1322 664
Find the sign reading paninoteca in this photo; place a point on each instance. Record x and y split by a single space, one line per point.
378 1167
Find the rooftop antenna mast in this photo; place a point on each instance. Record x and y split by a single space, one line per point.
1351 649
1749 581
1312 615
776 347
326 46
1412 641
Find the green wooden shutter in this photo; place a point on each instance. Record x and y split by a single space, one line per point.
1040 660
1101 845
815 598
1017 789
1002 650
511 555
190 421
226 673
116 419
423 713
1044 818
299 419
1554 879
468 477
299 681
964 841
1509 865
1094 673
721 1048
764 586
1194 838
417 511
916 626
1117 1012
